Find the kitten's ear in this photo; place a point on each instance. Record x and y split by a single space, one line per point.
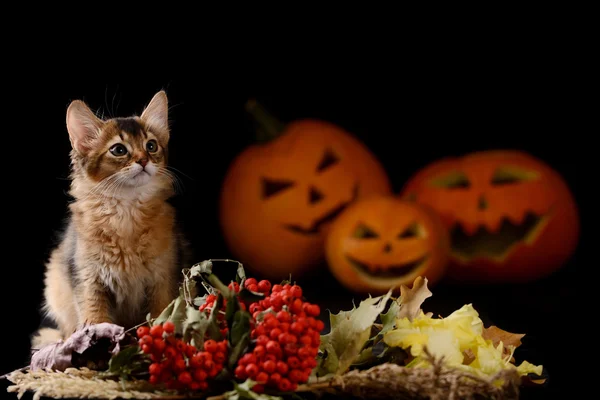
156 114
83 126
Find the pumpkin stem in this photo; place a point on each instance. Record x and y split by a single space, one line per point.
268 126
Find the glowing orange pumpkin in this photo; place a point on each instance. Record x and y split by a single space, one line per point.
512 218
383 242
279 197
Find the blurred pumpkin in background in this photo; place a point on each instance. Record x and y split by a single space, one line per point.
383 242
511 217
279 196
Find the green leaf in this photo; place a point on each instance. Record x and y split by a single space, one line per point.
350 331
241 274
232 307
239 326
165 314
204 267
238 350
194 327
244 391
179 314
329 362
389 318
123 358
249 296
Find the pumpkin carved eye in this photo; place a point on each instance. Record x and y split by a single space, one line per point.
511 175
453 180
271 187
329 159
362 231
412 231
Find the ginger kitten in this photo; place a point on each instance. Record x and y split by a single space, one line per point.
122 253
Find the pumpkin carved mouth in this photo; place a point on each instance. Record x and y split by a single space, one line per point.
495 245
315 228
387 271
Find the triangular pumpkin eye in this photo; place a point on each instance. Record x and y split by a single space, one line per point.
329 159
362 231
270 187
511 175
412 231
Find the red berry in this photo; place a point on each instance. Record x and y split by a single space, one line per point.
284 316
147 339
293 362
282 367
272 346
156 331
142 331
200 375
170 352
146 348
252 287
195 386
295 375
284 385
258 388
274 379
262 377
259 351
296 291
159 345
154 379
240 372
154 369
169 327
209 365
262 340
203 385
185 378
251 370
210 346
179 365
250 281
219 357
269 366
264 286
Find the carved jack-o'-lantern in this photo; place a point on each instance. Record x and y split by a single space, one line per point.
511 217
279 197
383 242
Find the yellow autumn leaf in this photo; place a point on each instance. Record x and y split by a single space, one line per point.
462 332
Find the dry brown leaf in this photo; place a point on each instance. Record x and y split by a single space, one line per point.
469 357
411 299
497 335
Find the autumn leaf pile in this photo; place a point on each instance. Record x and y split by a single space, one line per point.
366 336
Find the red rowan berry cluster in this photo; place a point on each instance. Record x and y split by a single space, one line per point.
177 364
286 338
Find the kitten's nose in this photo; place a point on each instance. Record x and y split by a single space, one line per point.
143 162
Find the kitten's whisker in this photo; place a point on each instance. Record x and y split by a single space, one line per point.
174 179
179 171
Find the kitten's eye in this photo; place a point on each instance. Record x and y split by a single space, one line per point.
118 150
151 146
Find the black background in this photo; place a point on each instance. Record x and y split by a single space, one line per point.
407 118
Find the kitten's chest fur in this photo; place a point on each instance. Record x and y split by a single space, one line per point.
128 245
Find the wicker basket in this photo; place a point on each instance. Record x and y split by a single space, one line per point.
386 381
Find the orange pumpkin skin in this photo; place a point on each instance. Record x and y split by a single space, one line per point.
512 217
278 198
382 242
